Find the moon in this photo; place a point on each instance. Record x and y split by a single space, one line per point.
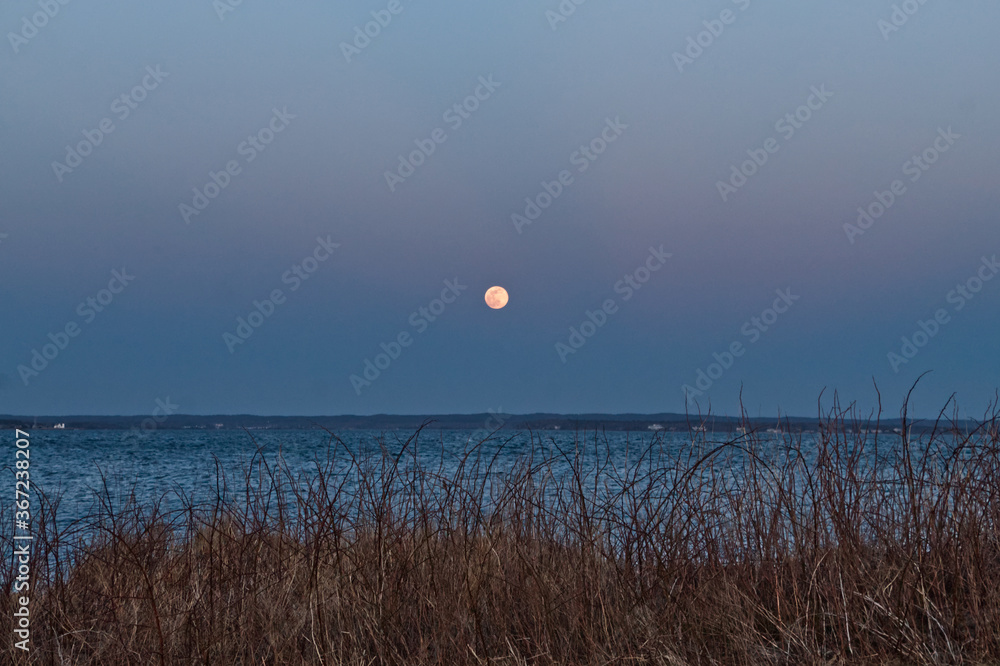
496 297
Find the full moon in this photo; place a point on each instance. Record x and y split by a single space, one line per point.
496 297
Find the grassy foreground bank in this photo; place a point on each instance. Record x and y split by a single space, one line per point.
746 551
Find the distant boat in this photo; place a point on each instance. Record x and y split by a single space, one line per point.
700 428
655 426
59 426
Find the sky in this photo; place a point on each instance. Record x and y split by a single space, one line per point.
243 207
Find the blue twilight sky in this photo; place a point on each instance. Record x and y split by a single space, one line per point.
651 113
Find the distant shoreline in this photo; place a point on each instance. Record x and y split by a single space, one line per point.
649 423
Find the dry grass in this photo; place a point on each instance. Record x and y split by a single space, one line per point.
736 553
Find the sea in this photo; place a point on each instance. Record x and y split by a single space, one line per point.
78 469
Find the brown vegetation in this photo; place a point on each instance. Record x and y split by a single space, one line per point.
742 552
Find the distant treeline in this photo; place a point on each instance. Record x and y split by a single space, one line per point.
485 421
